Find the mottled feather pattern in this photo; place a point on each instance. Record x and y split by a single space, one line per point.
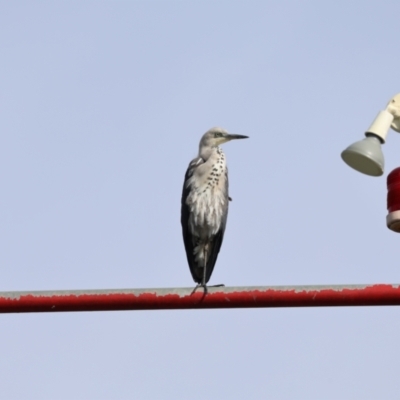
208 194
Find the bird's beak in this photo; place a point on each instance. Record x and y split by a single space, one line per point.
231 136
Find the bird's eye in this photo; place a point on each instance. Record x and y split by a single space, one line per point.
218 134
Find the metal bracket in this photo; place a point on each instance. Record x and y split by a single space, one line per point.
394 108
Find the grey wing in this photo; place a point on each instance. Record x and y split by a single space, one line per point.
188 238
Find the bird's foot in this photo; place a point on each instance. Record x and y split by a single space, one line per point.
204 286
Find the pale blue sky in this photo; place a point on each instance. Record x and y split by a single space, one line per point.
102 105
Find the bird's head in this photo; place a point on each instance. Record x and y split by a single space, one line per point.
217 136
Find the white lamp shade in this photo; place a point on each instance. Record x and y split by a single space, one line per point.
365 156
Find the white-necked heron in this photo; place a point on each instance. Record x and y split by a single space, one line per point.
205 202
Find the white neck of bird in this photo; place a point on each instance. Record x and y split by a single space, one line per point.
206 152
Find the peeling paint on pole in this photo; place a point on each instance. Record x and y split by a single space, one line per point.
218 297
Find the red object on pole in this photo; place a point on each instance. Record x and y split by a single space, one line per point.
393 200
217 297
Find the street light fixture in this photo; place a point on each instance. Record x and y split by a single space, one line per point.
366 155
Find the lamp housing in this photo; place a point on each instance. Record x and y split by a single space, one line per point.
366 155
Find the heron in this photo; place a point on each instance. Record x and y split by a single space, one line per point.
205 203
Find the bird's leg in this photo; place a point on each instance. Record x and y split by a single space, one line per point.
203 281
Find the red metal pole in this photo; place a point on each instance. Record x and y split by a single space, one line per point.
217 297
